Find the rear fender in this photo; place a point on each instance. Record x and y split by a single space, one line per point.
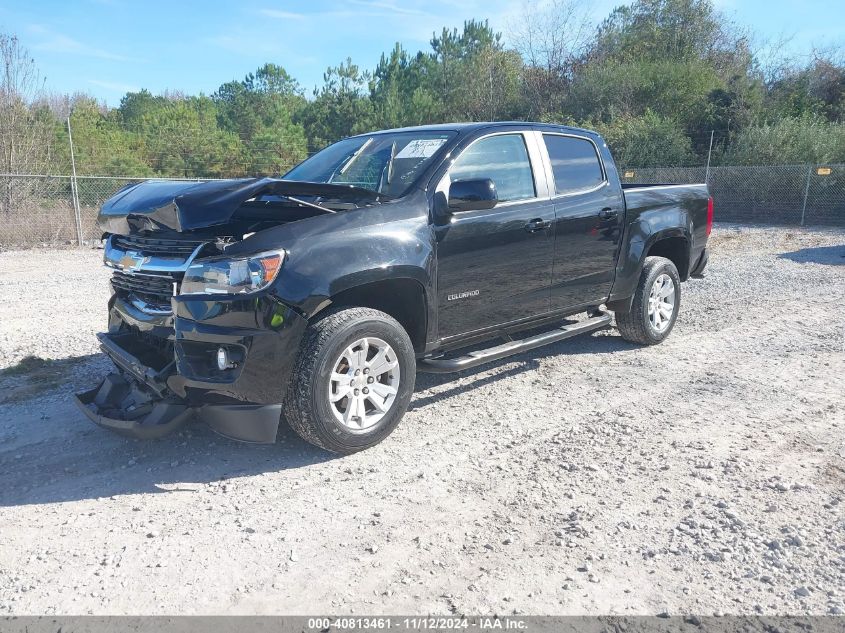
648 229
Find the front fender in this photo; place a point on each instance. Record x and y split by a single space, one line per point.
324 266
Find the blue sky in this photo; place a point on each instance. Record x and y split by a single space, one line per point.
107 47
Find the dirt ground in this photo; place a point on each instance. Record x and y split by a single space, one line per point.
704 475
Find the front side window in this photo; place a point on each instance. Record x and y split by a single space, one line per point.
502 158
575 164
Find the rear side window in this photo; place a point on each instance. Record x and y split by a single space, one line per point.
502 158
575 163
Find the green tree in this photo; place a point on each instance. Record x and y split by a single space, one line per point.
403 90
670 88
451 49
102 145
649 140
650 30
183 140
267 98
342 107
134 106
655 76
273 151
474 76
817 88
679 60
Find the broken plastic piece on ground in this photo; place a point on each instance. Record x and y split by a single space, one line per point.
126 408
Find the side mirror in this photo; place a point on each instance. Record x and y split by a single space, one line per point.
472 195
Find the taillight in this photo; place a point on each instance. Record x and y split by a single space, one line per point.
709 214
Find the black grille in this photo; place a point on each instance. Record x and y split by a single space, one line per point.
151 246
153 289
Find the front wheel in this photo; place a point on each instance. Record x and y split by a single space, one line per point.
352 381
654 309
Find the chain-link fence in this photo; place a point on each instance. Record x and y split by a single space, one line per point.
53 210
774 194
36 210
60 210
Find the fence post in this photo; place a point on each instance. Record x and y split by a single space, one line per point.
806 193
709 151
74 192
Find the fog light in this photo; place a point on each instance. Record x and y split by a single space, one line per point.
223 359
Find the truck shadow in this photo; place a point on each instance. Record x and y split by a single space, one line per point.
86 462
49 453
830 255
527 361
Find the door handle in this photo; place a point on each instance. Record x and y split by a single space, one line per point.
537 224
608 213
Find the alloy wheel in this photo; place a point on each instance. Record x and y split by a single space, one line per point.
364 383
661 302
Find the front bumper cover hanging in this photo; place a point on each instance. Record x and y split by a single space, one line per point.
136 402
124 407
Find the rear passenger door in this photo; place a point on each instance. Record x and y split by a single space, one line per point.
494 265
588 221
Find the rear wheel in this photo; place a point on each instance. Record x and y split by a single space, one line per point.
654 309
352 382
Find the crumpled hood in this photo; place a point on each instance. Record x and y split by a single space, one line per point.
184 206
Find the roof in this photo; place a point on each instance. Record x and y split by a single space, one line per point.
477 125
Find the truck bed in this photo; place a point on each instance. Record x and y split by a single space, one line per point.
683 210
693 197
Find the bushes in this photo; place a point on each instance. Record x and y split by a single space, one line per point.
792 140
647 141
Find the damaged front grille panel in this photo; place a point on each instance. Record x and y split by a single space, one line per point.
150 246
148 271
150 292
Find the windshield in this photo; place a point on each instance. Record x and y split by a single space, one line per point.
386 163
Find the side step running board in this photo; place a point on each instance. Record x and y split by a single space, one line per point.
479 357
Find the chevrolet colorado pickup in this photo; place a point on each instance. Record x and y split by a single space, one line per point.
316 298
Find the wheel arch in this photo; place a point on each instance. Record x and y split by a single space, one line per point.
675 246
403 298
673 243
636 325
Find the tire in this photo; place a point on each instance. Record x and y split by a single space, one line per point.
638 324
345 426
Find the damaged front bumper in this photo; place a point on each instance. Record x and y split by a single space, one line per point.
153 393
125 407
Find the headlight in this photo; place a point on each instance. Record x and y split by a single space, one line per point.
231 276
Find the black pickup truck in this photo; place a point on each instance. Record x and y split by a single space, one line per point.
317 297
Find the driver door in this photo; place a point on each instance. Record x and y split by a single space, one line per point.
494 266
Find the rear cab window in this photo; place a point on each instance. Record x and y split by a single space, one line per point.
575 164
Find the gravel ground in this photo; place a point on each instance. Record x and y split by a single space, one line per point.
704 475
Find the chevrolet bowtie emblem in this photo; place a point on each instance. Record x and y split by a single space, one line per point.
132 260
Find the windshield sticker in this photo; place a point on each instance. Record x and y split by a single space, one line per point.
421 148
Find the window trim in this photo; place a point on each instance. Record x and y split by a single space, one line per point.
535 163
551 173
